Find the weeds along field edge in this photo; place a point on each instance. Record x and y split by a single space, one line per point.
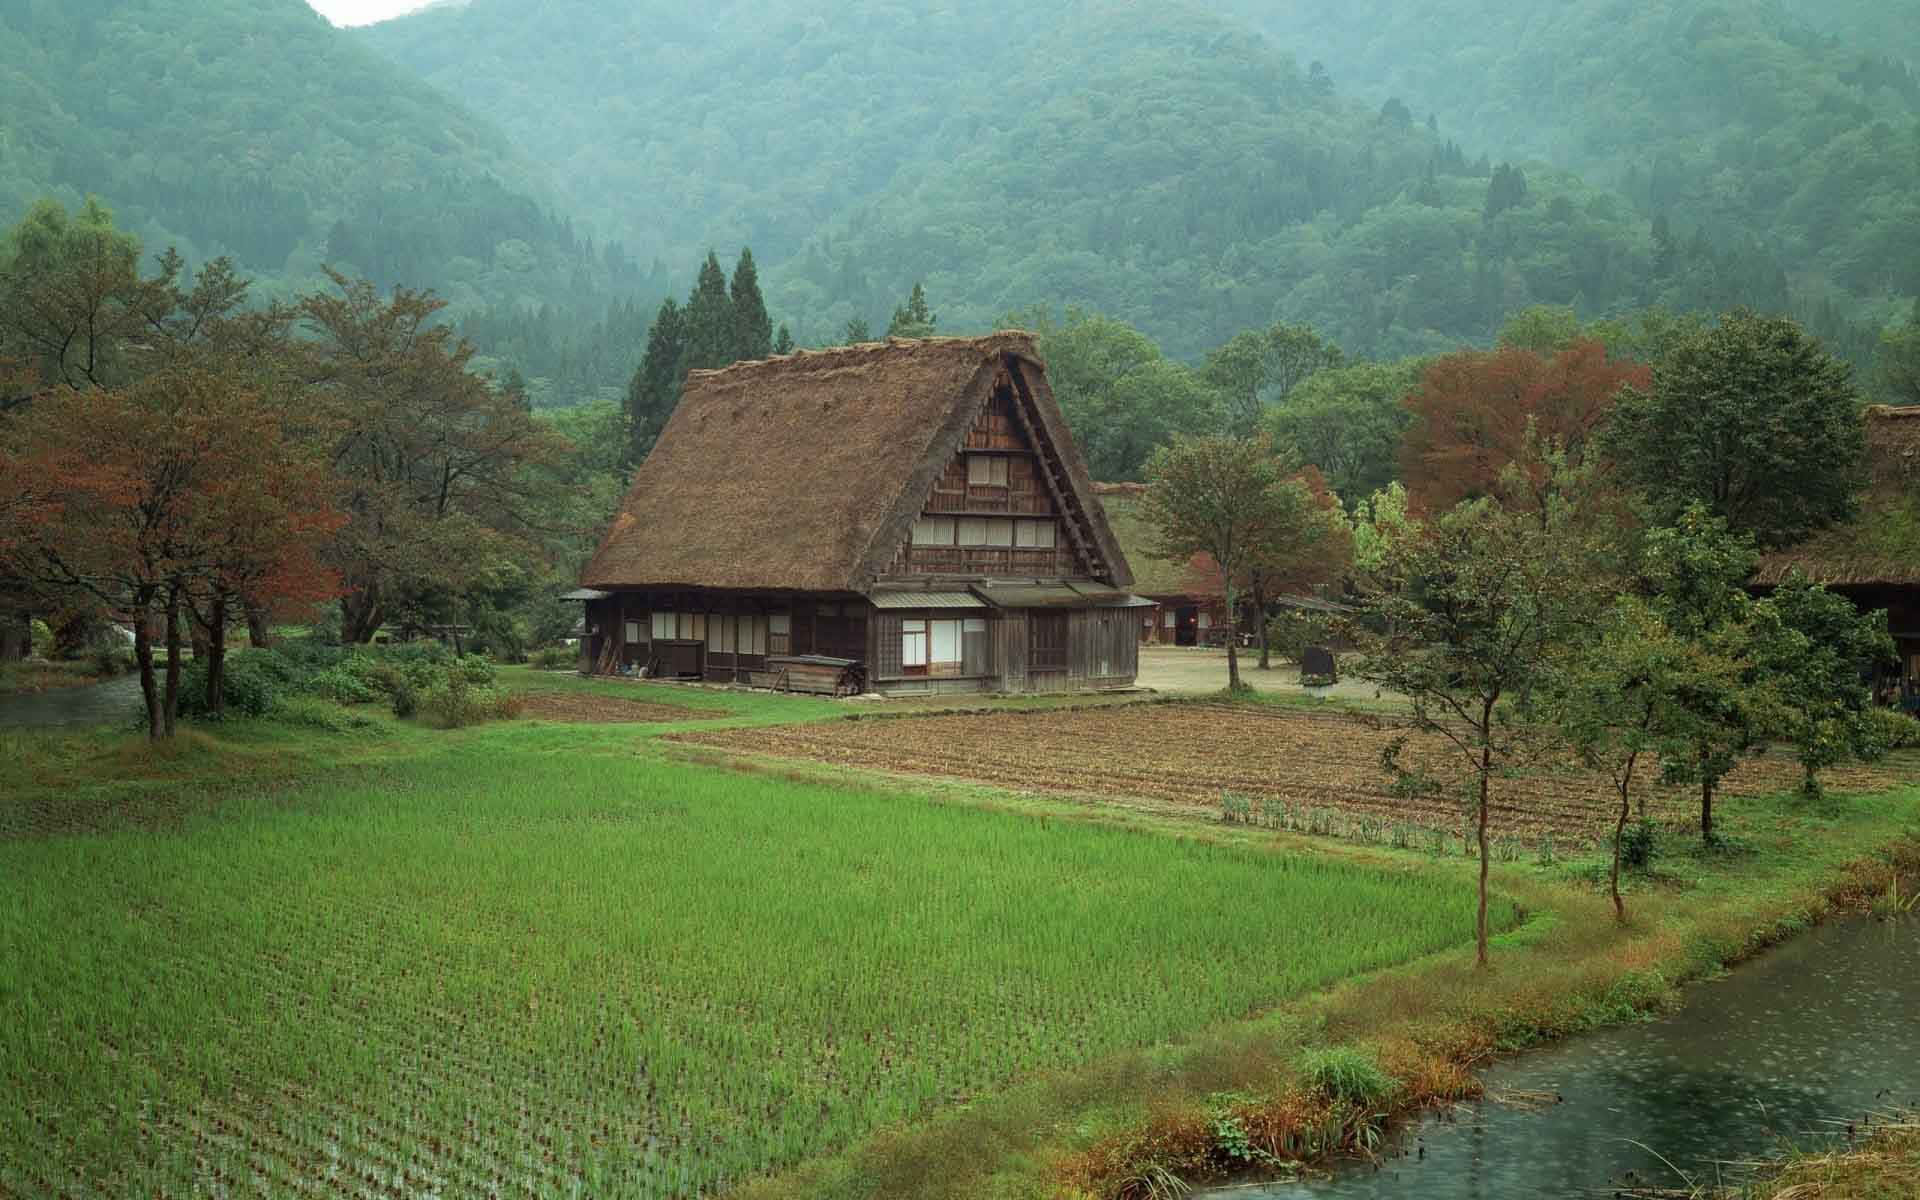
512 963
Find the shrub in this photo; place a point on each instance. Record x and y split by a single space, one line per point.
456 701
556 658
253 683
1883 731
474 668
314 713
1346 1073
406 701
1637 846
111 660
340 685
1292 631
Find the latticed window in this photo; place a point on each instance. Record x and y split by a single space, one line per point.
1046 641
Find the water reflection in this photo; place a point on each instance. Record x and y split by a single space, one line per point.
1825 1027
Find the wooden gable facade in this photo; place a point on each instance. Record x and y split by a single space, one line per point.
921 523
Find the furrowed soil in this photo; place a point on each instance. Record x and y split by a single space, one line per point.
585 708
1294 768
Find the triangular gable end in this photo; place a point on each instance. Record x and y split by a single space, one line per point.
1024 477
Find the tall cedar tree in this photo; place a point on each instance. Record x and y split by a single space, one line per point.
913 319
1751 418
710 324
752 328
1473 411
1228 499
655 390
432 462
1468 616
179 485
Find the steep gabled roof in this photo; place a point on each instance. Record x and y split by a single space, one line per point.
1882 545
805 472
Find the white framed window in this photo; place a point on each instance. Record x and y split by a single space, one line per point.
1206 620
751 636
944 647
720 634
1035 534
633 632
933 531
973 531
664 627
999 531
913 647
693 626
779 633
986 470
1169 618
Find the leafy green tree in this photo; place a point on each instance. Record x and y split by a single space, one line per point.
1261 367
1814 645
914 319
1229 502
1544 329
1751 418
709 320
1465 617
73 303
752 328
1348 421
1692 575
1628 696
655 390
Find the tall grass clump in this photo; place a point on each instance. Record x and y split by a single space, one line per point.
1349 1074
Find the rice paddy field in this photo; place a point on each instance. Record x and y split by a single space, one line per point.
540 960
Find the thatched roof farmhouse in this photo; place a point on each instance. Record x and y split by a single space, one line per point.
915 509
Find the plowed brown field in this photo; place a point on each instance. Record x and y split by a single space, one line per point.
1192 754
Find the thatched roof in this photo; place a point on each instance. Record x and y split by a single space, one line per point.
804 472
1152 576
1882 546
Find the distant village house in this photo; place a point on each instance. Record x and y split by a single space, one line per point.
908 516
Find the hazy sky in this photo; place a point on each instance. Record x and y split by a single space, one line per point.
361 12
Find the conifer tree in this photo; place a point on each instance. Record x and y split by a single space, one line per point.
655 389
709 319
752 328
857 331
783 341
913 319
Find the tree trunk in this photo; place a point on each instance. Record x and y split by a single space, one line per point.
1620 832
143 654
1479 928
359 617
1260 614
259 633
217 656
196 633
1706 811
1233 638
171 709
16 638
1480 822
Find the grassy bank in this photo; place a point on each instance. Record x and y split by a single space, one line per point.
34 676
1880 1163
370 955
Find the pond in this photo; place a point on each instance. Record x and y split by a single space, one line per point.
1813 1034
116 700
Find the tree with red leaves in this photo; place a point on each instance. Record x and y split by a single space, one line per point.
1475 411
178 490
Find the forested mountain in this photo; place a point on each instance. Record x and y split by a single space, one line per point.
1792 123
1151 160
253 128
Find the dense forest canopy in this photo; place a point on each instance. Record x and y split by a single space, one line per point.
1401 180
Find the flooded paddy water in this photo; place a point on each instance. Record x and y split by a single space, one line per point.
1792 1046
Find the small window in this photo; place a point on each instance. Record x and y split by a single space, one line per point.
913 647
1206 620
975 625
933 531
973 531
664 626
693 626
720 635
999 532
1168 618
984 470
1034 534
779 624
633 632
